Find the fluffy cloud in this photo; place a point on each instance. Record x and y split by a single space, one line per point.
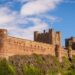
6 15
27 33
23 1
13 21
38 6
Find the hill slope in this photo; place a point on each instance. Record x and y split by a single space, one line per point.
36 65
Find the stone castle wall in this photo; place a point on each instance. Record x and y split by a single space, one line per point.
17 46
10 46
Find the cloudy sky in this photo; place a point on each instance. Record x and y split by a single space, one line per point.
22 17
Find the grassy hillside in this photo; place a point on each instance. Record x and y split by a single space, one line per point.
6 68
36 65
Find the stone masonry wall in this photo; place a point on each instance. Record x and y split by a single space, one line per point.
10 46
16 46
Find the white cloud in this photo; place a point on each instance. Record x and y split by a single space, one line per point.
27 33
11 20
6 15
39 6
23 1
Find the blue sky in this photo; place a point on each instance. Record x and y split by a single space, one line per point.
22 17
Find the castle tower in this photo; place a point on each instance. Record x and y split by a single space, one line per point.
50 37
54 37
36 35
58 38
70 42
3 34
58 53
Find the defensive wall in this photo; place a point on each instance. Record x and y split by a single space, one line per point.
10 46
17 46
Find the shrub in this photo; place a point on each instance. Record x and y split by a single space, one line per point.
6 68
30 70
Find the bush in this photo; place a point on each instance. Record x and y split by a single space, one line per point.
30 70
6 68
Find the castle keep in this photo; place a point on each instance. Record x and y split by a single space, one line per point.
49 37
46 43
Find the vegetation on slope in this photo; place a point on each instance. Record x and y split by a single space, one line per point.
70 68
6 69
36 65
43 64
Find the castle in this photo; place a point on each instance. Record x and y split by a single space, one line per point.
49 37
46 43
70 41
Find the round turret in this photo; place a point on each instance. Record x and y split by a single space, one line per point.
36 35
3 33
58 53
